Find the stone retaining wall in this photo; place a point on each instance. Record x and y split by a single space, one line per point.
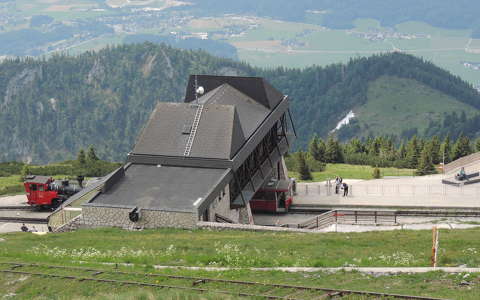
97 216
227 226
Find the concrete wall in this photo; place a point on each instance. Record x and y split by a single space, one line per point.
118 217
221 206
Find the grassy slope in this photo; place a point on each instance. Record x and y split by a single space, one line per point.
434 284
353 172
243 249
395 104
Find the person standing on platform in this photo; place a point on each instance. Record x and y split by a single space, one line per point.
337 184
345 189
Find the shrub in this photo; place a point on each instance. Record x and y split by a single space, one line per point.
376 173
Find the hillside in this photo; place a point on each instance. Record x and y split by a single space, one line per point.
402 106
50 108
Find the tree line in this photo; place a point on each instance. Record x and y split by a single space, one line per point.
51 107
421 154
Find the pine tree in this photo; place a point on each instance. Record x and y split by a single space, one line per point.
402 152
333 151
462 147
412 154
316 148
91 155
445 153
425 164
303 169
477 145
81 157
435 148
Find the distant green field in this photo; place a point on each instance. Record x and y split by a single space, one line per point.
446 48
397 104
347 171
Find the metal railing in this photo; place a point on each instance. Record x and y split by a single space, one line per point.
432 191
350 217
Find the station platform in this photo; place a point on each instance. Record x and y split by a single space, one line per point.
14 211
426 192
17 200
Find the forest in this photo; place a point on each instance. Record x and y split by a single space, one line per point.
421 154
51 107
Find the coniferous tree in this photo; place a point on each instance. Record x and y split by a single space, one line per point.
331 150
303 169
461 147
445 153
402 152
316 148
91 155
412 154
477 145
425 164
435 149
81 157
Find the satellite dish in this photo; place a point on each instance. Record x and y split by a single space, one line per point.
200 90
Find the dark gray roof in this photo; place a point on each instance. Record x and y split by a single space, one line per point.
251 113
254 87
218 135
164 188
37 179
163 132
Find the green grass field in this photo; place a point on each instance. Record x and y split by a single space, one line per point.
434 284
238 249
347 171
244 249
446 48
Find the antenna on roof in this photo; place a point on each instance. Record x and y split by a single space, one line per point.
199 90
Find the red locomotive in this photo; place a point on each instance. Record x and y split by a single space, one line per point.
275 196
44 191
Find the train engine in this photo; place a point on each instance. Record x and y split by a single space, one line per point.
44 191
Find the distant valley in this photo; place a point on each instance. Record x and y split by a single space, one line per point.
264 33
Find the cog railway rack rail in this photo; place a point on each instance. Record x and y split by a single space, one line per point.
248 289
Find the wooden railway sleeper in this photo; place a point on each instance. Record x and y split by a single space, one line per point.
196 282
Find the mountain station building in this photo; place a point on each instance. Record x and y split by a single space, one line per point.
200 160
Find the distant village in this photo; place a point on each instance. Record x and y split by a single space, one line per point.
374 35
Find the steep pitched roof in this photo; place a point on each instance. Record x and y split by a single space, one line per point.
254 87
250 113
219 133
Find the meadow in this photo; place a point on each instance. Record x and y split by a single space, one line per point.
348 171
239 250
399 248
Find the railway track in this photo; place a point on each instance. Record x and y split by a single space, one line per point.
20 214
250 289
18 207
